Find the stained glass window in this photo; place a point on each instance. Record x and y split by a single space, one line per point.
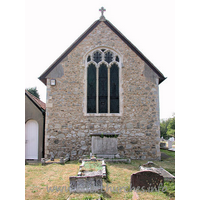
117 58
97 96
91 89
108 57
103 89
97 57
88 59
114 89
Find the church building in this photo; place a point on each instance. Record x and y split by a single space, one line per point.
102 98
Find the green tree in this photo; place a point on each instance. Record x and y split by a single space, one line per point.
163 128
171 128
167 127
34 92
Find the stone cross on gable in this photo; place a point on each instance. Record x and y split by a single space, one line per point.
102 18
102 10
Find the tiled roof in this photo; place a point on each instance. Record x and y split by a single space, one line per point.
37 101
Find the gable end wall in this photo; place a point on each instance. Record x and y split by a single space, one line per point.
68 129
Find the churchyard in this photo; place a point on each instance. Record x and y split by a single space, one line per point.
51 181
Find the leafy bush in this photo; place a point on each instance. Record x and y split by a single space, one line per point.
167 127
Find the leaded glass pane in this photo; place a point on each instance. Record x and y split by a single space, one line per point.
88 59
117 59
97 57
91 89
103 89
114 89
108 57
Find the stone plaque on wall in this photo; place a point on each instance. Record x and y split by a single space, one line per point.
104 144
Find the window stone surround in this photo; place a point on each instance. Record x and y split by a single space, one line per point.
120 64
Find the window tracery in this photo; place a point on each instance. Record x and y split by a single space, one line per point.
103 82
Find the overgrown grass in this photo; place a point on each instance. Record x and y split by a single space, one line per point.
169 153
39 178
169 162
92 166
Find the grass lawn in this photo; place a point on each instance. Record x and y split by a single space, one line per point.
92 166
41 180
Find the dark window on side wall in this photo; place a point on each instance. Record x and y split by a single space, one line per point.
103 89
114 89
91 89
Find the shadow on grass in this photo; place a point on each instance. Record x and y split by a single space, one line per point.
167 161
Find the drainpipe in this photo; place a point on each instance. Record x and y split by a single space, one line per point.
43 147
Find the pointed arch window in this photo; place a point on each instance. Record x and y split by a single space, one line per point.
103 82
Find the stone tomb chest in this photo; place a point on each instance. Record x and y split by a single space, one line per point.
89 179
104 145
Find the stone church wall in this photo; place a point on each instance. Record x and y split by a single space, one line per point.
68 129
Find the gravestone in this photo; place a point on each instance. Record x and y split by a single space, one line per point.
146 180
52 156
150 166
169 144
162 145
43 161
171 139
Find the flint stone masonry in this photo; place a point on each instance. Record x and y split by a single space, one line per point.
67 123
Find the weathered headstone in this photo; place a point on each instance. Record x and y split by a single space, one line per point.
163 145
52 156
150 166
62 160
169 144
43 161
146 179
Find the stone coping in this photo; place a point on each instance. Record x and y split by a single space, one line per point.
62 160
96 159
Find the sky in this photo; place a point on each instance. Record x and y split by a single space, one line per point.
52 26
